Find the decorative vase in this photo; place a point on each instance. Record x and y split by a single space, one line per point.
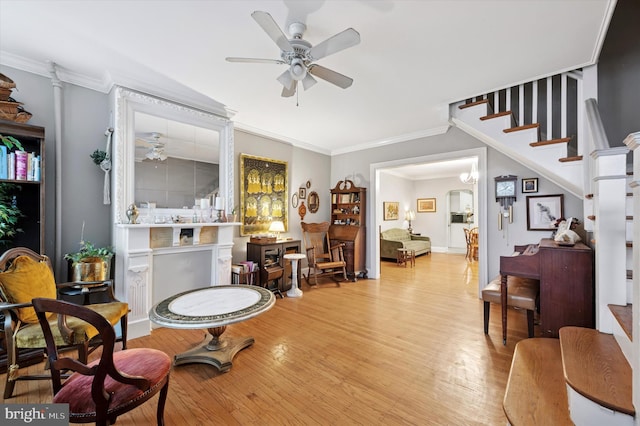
91 269
132 214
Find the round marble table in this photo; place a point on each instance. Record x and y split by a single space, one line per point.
294 291
213 308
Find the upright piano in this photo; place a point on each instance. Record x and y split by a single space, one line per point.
566 283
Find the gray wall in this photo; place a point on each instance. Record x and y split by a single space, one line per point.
500 243
619 74
303 166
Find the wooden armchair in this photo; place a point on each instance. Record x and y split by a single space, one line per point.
24 276
323 258
115 383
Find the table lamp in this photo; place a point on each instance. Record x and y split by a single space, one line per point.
410 215
277 226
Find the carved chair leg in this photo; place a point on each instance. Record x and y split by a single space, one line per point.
123 328
12 365
161 402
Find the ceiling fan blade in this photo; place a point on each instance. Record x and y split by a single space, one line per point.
331 76
286 79
272 29
255 60
288 92
338 42
308 81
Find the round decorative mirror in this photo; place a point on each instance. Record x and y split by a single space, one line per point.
313 202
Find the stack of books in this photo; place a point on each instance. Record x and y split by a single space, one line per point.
19 165
245 272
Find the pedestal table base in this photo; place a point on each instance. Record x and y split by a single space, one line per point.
218 351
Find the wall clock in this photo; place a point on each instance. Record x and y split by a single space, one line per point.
506 189
506 195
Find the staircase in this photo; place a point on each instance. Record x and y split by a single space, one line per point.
552 142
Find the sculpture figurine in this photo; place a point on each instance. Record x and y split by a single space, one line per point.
132 214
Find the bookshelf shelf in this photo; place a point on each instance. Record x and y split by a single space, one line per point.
348 224
29 194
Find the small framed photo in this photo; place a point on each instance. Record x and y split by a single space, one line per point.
529 185
302 193
543 211
426 205
391 210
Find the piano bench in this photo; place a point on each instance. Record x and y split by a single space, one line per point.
522 293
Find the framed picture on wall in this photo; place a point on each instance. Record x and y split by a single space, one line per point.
426 205
543 211
391 210
529 185
263 194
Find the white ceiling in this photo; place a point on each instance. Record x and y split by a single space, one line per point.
415 57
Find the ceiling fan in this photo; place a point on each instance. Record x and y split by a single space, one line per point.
300 55
156 147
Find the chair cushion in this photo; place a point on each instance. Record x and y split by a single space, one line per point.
31 336
152 364
26 279
521 292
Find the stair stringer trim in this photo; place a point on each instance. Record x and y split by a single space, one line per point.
520 158
585 412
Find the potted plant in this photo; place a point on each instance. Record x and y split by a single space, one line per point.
90 263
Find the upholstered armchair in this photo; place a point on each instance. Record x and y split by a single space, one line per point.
24 276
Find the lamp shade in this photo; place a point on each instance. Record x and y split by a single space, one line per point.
276 226
409 215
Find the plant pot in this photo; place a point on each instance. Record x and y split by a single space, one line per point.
90 269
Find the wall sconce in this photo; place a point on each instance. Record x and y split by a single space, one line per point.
410 215
276 227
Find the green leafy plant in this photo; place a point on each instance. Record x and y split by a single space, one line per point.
11 142
10 214
98 156
87 249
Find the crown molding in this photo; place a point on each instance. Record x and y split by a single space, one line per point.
393 140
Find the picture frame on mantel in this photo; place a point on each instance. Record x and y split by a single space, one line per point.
263 194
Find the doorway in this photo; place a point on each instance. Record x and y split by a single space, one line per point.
480 197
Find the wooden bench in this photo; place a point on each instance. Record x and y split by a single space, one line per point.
536 391
521 293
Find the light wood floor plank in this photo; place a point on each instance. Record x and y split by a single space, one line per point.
406 349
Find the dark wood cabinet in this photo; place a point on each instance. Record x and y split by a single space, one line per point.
348 225
271 262
28 194
566 282
566 287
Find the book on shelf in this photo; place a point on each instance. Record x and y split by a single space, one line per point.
4 171
21 164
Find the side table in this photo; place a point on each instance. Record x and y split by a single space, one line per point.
294 291
406 256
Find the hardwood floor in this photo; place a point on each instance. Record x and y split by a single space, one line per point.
406 349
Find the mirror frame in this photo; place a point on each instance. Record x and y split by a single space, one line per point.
126 103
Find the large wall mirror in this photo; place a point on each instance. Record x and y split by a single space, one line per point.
168 153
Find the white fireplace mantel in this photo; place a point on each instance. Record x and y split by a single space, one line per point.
155 261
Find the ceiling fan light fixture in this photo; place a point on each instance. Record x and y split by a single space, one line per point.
297 69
